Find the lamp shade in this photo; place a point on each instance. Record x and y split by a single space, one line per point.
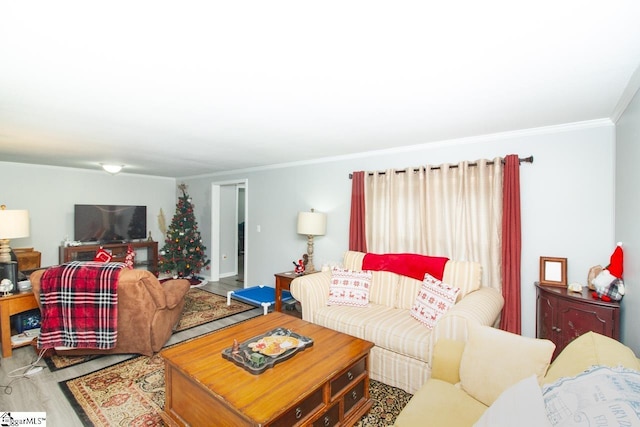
312 223
14 224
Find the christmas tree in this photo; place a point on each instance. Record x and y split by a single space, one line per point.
183 252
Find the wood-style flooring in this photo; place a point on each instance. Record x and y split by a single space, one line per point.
41 393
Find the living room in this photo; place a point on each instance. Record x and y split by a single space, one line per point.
570 198
579 197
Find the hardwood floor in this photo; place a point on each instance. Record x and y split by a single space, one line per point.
41 393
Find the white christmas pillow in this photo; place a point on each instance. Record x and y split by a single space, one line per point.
349 287
434 299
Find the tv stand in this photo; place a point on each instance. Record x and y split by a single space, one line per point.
146 253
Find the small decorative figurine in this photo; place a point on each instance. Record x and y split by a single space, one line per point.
236 347
299 267
257 359
6 286
575 287
608 284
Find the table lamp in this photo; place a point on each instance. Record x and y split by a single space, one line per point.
311 224
14 224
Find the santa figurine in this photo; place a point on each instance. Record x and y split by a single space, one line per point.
299 267
608 283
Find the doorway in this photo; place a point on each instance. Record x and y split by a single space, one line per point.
229 240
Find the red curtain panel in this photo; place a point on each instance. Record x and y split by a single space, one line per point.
357 233
511 246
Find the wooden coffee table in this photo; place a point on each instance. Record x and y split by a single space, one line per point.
326 384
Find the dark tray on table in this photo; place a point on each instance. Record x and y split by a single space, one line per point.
262 352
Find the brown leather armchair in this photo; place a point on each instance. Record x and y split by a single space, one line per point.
147 312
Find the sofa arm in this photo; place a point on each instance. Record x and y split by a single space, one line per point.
312 291
175 291
447 355
481 307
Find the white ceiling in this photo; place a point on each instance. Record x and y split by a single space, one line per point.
186 88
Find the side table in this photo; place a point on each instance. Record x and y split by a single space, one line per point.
10 305
283 283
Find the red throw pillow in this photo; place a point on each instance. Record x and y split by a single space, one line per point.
103 255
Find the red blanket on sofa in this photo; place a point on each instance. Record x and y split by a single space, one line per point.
410 265
80 305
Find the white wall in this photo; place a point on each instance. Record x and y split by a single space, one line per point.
49 193
567 200
628 215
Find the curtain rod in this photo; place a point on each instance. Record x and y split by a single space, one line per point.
521 160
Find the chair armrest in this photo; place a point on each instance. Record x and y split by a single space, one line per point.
34 278
446 360
312 291
174 291
481 307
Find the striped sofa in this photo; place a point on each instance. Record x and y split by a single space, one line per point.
403 346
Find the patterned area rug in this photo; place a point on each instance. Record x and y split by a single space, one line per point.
200 307
132 393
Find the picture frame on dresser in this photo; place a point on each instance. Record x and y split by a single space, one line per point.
553 271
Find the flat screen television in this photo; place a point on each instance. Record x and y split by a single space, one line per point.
109 223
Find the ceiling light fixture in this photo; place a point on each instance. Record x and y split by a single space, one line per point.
112 169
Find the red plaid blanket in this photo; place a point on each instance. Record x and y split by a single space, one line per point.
80 305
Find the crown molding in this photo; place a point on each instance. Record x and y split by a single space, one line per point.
565 127
627 96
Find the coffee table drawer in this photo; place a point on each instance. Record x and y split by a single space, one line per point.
347 377
330 418
304 409
353 396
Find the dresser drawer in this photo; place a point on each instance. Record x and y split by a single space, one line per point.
353 396
302 410
347 377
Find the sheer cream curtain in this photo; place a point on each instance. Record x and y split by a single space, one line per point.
446 210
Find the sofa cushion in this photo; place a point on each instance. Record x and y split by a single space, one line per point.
384 288
396 331
493 360
348 287
440 404
349 320
464 275
588 350
434 299
353 260
408 288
